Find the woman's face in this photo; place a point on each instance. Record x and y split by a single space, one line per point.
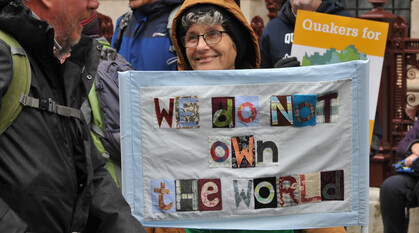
219 56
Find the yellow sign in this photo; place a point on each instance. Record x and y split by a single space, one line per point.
324 39
326 31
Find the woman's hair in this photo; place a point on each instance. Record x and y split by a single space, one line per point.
211 17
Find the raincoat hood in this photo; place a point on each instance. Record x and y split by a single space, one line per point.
251 57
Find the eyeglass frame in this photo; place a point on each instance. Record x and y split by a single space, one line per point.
203 37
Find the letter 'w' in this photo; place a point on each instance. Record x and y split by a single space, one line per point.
163 113
244 152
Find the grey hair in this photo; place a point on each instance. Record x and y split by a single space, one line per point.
210 18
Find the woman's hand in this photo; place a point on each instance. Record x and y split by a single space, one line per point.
415 154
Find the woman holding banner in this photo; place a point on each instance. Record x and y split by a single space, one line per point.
215 35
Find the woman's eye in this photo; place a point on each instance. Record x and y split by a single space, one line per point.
191 37
212 34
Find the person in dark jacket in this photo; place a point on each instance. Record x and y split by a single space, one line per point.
145 41
402 190
52 179
277 37
276 42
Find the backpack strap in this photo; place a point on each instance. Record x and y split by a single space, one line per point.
16 96
50 106
19 85
123 24
108 53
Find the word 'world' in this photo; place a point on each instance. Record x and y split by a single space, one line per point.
259 193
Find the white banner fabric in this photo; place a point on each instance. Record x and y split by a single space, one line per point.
260 149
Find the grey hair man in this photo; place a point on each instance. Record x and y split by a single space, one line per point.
52 179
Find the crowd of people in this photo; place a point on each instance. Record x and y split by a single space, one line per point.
52 177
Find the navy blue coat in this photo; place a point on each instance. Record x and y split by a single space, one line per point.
277 37
146 40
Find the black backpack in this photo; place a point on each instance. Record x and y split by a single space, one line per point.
104 102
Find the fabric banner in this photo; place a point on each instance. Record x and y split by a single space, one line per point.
247 149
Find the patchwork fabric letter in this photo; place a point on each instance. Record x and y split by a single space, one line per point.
187 195
304 110
210 194
220 151
243 154
187 112
265 193
267 150
310 188
289 190
281 110
327 110
163 112
223 112
163 196
332 185
242 192
247 111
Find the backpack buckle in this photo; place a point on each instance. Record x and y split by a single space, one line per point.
108 54
48 105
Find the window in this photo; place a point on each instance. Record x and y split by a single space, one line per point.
396 7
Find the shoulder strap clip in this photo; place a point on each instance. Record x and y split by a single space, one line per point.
50 106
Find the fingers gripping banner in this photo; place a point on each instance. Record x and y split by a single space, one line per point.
247 149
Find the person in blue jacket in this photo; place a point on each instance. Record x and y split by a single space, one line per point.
144 40
277 37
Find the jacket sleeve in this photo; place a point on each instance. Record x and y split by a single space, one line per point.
412 136
115 33
109 211
266 61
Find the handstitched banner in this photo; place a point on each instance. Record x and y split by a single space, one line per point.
247 149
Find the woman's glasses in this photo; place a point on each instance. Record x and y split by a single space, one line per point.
211 38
